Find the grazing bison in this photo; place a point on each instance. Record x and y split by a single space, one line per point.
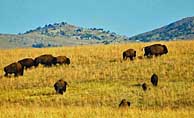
27 62
130 53
15 68
124 103
46 60
144 86
60 86
155 49
154 79
63 60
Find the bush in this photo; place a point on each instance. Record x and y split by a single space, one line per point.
38 45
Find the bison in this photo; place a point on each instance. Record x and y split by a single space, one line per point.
130 53
144 86
46 60
63 60
60 86
154 79
15 68
27 62
124 103
155 49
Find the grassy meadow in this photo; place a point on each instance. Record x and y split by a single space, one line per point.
98 80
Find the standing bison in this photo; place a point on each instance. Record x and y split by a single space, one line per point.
63 60
130 53
144 86
46 60
27 62
155 49
15 68
154 79
124 103
60 86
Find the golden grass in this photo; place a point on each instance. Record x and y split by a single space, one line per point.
98 80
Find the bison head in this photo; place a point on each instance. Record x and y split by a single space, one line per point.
165 49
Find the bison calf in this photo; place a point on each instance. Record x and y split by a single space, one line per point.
124 103
130 53
60 86
62 60
144 86
15 68
27 62
154 79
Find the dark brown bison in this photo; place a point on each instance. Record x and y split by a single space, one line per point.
124 103
154 79
63 60
144 86
155 49
27 62
46 60
130 53
60 86
15 68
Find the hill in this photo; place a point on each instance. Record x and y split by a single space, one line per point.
64 34
98 79
59 34
182 29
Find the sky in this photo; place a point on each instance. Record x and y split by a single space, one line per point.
125 17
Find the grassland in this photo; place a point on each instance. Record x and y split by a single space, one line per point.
98 80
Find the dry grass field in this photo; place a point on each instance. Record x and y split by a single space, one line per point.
98 80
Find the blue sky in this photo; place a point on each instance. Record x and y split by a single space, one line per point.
126 17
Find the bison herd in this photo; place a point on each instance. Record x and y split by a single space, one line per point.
149 51
47 60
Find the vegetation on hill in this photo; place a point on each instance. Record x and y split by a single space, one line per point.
98 79
64 34
182 29
60 34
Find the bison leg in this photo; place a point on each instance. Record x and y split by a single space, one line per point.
124 56
6 74
61 92
22 73
146 54
131 58
15 74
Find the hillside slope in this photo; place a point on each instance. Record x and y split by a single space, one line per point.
64 34
59 34
182 29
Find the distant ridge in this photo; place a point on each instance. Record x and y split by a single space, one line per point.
182 29
64 34
60 34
